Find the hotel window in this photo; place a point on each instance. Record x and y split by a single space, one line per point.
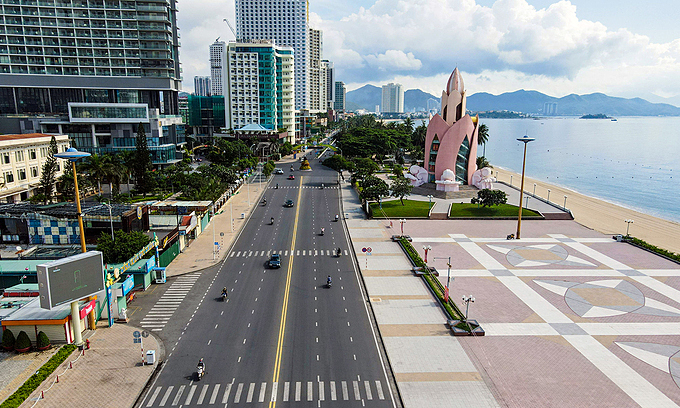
5 158
43 152
32 154
21 174
34 171
19 154
9 177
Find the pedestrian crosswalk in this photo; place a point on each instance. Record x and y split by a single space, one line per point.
285 252
316 187
165 307
198 393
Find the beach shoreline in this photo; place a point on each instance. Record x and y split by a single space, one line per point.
601 215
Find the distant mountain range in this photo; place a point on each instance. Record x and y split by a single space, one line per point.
368 96
530 102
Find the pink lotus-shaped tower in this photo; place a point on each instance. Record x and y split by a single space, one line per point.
451 141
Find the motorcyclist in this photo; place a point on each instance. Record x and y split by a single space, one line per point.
272 221
277 185
201 365
323 230
337 217
328 280
339 251
264 201
224 291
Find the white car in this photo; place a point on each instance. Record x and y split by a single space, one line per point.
278 171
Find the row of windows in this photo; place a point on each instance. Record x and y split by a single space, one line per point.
21 174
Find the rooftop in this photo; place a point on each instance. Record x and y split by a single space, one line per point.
24 136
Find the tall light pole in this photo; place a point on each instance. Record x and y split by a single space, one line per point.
213 216
628 226
113 238
548 195
525 139
448 277
426 248
429 197
467 300
73 155
402 221
565 202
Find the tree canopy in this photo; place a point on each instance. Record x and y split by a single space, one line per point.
123 248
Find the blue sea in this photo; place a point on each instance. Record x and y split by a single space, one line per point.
633 162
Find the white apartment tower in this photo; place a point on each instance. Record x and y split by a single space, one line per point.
287 23
218 58
316 103
202 86
392 98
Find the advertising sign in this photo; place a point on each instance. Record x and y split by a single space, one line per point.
87 308
150 263
71 278
128 284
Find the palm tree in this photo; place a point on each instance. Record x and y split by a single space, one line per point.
127 160
114 172
483 136
95 168
408 125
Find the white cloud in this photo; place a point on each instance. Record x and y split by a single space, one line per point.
394 60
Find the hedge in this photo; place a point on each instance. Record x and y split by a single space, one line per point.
8 339
653 248
432 280
36 379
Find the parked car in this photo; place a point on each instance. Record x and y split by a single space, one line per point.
288 203
274 261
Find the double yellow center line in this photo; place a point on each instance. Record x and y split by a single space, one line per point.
284 310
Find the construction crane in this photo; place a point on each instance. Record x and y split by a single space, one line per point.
230 27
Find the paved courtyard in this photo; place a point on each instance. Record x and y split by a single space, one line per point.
572 317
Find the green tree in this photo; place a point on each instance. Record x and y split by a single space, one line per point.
483 162
268 168
49 171
339 163
96 169
401 187
373 189
143 163
483 136
127 160
65 186
489 198
125 246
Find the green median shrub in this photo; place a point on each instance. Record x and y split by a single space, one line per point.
42 341
23 342
36 379
8 340
653 248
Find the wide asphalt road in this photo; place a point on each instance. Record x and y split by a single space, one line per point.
282 338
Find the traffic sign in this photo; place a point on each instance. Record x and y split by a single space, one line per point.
136 334
363 249
145 334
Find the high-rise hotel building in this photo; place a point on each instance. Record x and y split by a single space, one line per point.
316 104
218 59
285 22
259 86
97 67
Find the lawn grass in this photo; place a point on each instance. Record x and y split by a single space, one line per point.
467 210
394 209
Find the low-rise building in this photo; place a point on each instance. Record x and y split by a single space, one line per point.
21 161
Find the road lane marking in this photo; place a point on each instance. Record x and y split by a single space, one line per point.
284 308
166 395
286 391
275 389
345 394
357 396
216 391
251 390
179 395
297 390
263 389
239 390
310 391
378 387
334 396
227 390
153 396
190 395
322 393
367 385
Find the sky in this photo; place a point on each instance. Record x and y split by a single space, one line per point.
619 47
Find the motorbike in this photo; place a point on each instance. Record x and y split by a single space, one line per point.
329 284
224 296
338 252
509 237
200 372
322 231
336 218
291 168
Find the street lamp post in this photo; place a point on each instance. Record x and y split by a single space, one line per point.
113 238
525 139
402 221
448 277
548 195
426 248
429 197
628 226
534 189
467 300
73 155
565 203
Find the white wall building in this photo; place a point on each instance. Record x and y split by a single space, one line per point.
259 87
287 23
21 160
330 83
218 58
392 98
202 86
316 103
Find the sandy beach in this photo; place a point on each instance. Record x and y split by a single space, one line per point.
602 216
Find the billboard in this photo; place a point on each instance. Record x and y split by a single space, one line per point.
71 278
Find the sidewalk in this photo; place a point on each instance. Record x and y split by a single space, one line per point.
430 366
199 254
109 374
